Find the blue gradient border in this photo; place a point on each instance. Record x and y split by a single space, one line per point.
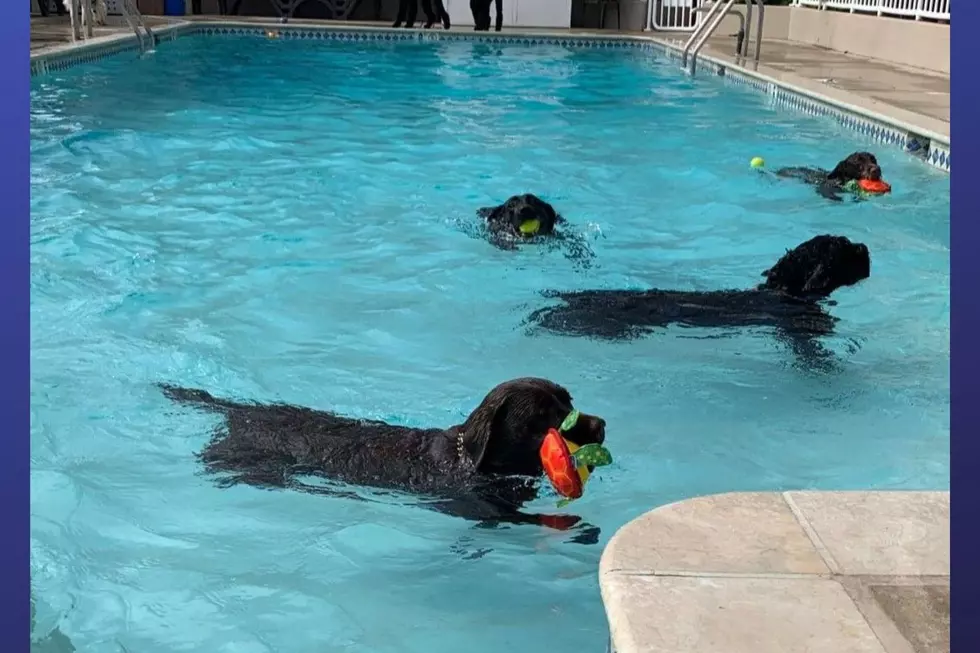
15 188
964 361
15 150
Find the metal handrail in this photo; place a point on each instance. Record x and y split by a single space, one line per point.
135 20
740 36
83 23
705 29
715 14
748 20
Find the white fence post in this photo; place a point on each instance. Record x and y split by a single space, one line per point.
917 9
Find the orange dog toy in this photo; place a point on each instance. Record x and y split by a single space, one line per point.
566 463
870 187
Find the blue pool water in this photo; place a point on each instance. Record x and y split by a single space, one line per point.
293 221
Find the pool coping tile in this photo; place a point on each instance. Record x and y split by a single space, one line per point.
739 572
919 136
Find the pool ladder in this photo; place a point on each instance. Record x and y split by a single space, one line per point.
82 22
136 23
714 14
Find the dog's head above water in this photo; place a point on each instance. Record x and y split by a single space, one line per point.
504 434
857 166
522 216
818 267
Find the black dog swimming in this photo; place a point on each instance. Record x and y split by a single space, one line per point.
528 219
788 300
434 10
484 469
481 15
857 166
522 217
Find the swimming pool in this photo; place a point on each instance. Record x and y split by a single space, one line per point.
286 220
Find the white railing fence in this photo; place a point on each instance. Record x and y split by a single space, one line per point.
918 9
677 15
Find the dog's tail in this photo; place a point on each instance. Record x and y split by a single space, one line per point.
197 398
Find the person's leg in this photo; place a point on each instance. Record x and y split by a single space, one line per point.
413 12
196 7
499 4
480 10
402 11
441 12
430 18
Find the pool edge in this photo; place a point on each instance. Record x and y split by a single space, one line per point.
770 571
916 140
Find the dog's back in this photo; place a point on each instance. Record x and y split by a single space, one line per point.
268 444
626 314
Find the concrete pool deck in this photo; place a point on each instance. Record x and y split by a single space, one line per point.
53 33
917 99
797 572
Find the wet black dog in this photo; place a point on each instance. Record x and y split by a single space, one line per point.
434 10
522 217
483 470
481 15
788 300
857 166
528 219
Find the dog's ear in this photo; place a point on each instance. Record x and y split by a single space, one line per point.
844 171
817 281
488 213
481 424
772 271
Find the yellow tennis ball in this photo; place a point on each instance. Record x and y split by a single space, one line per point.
757 162
530 227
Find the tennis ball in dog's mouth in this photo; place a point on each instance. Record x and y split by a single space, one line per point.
530 227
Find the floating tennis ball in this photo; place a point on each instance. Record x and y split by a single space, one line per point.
757 162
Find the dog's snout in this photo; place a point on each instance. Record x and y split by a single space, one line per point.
874 172
599 429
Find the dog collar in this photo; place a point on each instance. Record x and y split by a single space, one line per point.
569 423
460 449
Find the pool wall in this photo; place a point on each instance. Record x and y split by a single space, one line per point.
932 147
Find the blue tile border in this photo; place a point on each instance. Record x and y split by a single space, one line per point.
325 33
934 153
71 58
47 62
